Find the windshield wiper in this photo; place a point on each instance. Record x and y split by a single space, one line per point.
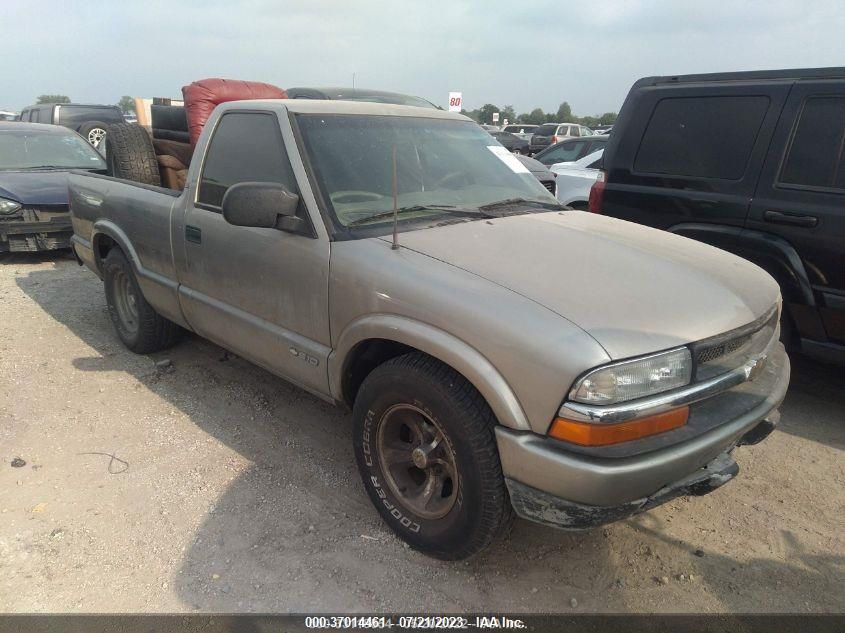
446 208
507 202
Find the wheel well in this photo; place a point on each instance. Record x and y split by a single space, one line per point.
363 359
102 245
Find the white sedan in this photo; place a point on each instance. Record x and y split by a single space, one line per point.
575 179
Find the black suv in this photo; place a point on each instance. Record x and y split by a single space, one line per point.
750 162
89 121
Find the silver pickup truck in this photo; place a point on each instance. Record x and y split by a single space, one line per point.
500 353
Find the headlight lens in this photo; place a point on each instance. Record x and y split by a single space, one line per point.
635 378
8 206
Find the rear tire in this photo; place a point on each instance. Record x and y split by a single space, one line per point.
138 325
130 154
426 451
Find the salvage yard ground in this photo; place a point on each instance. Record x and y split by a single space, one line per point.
207 484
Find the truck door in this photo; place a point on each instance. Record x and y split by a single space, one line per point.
260 292
801 195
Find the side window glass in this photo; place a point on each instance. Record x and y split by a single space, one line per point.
596 146
815 154
705 137
245 147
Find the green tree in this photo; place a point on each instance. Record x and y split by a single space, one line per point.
564 114
126 104
472 114
535 117
53 99
485 113
507 112
608 118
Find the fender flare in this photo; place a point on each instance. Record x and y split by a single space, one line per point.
110 229
145 275
441 345
757 246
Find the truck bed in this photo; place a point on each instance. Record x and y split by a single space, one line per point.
106 208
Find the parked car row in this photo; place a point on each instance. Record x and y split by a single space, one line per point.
570 150
551 133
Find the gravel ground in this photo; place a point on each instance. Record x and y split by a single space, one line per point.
211 485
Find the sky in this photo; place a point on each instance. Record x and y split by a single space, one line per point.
529 53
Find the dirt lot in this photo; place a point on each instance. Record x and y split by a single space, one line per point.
214 486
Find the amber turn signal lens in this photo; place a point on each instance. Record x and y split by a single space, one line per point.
586 434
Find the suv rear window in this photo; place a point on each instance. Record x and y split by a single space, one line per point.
704 137
547 129
815 155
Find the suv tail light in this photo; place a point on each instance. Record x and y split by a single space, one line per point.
597 193
556 139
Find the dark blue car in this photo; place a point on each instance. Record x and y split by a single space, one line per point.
34 161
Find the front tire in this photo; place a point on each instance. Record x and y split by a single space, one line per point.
426 451
138 325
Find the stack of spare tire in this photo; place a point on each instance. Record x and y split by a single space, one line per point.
163 156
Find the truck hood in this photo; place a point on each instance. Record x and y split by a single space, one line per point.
34 187
634 289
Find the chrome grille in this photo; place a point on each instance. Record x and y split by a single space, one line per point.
733 349
713 352
549 184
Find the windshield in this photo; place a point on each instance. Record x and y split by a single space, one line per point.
451 164
31 149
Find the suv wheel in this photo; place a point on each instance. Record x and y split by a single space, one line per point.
426 451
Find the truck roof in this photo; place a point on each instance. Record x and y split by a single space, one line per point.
331 106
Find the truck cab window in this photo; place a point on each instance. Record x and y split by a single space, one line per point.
246 147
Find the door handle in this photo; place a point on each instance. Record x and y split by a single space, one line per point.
193 234
794 219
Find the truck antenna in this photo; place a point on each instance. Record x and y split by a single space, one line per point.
395 204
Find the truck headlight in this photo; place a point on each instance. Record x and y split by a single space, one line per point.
8 206
636 378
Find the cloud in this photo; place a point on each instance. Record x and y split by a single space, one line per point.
528 54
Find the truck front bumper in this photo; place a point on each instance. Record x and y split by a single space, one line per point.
552 484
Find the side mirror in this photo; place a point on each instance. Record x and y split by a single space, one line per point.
262 205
